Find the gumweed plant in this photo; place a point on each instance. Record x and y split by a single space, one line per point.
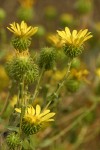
24 70
26 10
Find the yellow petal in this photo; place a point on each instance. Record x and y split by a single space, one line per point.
67 31
83 33
33 111
50 120
28 110
88 37
74 33
48 116
10 29
18 110
79 33
44 113
38 110
61 34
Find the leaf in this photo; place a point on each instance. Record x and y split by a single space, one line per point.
34 142
26 144
11 128
46 143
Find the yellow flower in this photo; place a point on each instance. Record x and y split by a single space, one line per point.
35 116
97 72
13 101
75 38
22 30
55 39
79 74
27 3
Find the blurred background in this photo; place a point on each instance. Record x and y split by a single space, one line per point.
77 124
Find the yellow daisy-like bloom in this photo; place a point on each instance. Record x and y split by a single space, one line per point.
56 40
75 38
22 30
35 116
79 74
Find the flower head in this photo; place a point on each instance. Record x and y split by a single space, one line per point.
22 30
35 116
33 119
80 75
55 39
75 38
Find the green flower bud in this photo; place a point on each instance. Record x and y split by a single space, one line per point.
41 31
2 14
50 12
66 20
20 68
47 58
29 128
72 51
21 44
72 85
75 63
26 14
83 6
13 141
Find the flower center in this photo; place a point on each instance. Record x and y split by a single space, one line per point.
32 119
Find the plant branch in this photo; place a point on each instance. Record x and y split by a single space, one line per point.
6 102
38 84
55 94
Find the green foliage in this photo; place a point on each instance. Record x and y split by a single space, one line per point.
2 14
26 14
47 58
50 13
83 6
72 85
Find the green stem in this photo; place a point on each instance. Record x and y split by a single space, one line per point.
55 94
38 84
6 102
60 85
22 104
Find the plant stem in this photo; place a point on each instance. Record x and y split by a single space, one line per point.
6 102
22 103
55 94
38 84
60 85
